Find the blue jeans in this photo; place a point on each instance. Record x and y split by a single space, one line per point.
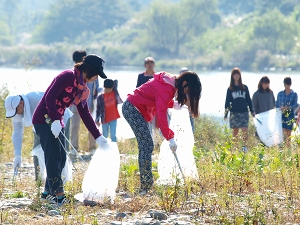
112 128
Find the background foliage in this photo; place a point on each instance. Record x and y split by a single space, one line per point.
210 34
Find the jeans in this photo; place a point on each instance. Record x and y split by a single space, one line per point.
110 127
55 157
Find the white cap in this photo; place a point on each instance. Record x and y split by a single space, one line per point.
11 104
183 69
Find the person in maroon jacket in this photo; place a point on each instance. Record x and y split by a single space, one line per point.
69 87
154 98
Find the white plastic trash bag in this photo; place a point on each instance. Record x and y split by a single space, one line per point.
269 127
66 174
168 169
101 178
124 130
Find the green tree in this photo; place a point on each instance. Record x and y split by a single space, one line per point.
236 7
5 37
276 32
168 26
284 6
68 19
8 8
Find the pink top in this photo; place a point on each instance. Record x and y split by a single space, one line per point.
154 98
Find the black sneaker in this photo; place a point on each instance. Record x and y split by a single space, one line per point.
48 197
60 201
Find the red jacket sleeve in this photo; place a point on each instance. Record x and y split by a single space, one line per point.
163 101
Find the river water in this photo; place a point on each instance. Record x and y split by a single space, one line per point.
214 83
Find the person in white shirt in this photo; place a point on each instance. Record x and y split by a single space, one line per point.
21 108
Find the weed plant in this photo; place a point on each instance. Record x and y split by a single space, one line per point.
234 187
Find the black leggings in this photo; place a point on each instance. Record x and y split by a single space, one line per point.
140 128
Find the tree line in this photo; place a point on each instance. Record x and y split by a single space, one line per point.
252 34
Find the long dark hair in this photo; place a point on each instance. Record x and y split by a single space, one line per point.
234 71
264 80
194 91
89 69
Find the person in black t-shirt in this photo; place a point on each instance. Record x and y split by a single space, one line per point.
149 64
238 103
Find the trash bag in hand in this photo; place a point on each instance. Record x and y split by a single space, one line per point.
168 169
66 174
101 178
269 127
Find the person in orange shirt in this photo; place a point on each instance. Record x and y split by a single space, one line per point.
107 109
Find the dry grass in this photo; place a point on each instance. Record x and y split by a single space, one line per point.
260 187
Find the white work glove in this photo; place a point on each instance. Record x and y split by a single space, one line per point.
102 142
173 145
17 162
56 128
176 106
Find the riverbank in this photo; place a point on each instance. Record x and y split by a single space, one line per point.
59 56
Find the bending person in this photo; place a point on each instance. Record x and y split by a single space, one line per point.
154 98
20 108
69 87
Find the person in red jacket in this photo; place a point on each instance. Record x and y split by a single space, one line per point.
154 98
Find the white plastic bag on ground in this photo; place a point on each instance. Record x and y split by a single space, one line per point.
270 128
168 169
66 174
101 178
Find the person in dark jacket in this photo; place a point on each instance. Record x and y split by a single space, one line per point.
143 78
237 103
149 64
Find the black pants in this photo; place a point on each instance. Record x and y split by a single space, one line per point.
55 157
141 130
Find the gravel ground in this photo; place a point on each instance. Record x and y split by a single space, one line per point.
19 209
